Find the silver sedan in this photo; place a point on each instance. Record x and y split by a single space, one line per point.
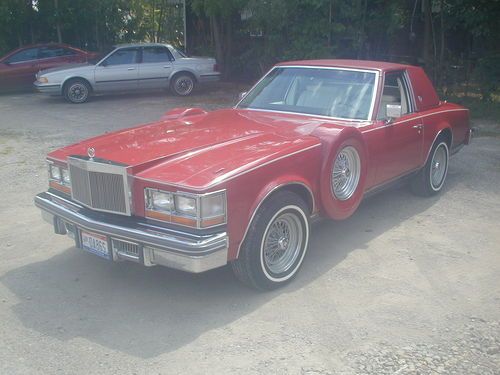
127 68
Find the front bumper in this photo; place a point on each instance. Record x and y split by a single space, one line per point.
47 88
154 245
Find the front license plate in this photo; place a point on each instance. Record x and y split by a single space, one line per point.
95 243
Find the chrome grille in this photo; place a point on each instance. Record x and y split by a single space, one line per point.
99 186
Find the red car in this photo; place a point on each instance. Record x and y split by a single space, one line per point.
198 190
19 67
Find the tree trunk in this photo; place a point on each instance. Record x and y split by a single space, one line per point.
218 40
58 24
426 48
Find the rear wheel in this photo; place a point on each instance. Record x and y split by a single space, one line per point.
76 91
430 179
183 84
276 243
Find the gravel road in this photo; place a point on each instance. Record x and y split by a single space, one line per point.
405 286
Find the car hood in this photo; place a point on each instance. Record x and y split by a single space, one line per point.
67 68
201 150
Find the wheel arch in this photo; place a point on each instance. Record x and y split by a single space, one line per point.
444 133
69 79
297 186
183 71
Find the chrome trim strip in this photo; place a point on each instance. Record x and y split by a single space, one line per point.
265 197
218 182
413 118
374 93
174 241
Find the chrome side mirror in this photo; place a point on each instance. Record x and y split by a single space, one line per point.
241 95
393 110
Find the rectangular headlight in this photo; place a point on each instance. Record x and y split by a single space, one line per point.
158 200
59 178
193 210
185 205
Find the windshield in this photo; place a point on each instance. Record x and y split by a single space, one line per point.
317 91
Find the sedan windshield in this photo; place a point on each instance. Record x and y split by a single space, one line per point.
335 93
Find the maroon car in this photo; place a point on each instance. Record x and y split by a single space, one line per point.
18 68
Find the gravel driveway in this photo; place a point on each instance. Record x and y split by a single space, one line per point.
405 286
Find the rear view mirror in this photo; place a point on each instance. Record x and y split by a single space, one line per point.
393 110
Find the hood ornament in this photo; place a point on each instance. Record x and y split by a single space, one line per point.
91 152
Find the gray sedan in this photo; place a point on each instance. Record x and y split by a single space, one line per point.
127 68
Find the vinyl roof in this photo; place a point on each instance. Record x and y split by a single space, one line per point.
356 64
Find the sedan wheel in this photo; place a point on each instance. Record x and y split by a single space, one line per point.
183 85
77 91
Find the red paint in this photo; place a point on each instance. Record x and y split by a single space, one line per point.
251 152
22 74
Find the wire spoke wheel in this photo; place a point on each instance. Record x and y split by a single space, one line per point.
282 243
439 165
346 173
183 85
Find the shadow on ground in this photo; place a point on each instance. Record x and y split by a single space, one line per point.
149 311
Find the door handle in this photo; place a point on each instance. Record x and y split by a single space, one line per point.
419 127
130 68
167 67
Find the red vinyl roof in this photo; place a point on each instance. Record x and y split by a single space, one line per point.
356 64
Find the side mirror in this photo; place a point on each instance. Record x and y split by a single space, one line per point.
241 95
104 63
393 111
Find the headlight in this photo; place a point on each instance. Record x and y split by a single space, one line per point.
59 178
65 177
160 201
185 205
43 80
193 210
55 172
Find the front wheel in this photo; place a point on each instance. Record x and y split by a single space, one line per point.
430 179
276 243
77 91
183 84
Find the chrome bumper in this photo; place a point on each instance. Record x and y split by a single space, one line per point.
45 88
156 245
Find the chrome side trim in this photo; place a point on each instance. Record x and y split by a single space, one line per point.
265 197
412 119
231 177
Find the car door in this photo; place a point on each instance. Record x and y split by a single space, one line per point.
119 71
19 69
155 67
397 139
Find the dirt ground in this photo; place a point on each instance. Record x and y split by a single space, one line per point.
405 286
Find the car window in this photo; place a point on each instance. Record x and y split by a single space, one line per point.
123 56
24 55
48 52
396 93
155 54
